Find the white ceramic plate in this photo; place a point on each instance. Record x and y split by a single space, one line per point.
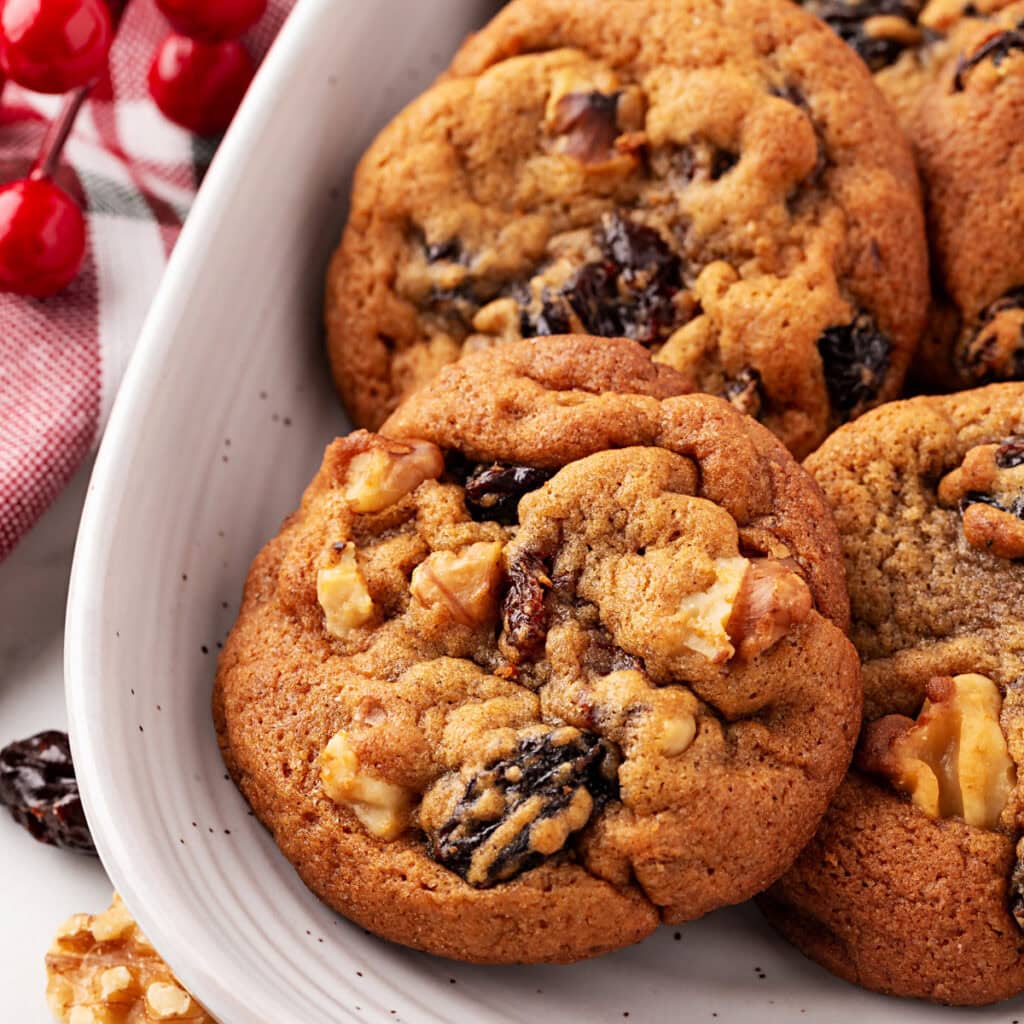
220 422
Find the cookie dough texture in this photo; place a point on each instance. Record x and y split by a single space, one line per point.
955 73
717 180
886 896
662 637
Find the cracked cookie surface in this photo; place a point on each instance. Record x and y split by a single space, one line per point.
738 199
528 707
912 886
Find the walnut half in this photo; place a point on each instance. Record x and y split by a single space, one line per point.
101 969
953 760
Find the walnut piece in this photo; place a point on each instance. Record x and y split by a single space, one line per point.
464 582
341 591
381 806
643 718
388 471
101 969
772 600
701 621
953 760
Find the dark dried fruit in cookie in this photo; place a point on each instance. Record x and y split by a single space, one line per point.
996 49
517 812
1010 453
38 784
628 293
588 122
493 492
854 21
745 393
855 360
995 351
1017 888
523 615
450 249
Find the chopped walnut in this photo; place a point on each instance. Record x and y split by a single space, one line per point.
381 806
341 591
642 717
463 582
701 622
772 600
101 969
988 488
953 760
388 471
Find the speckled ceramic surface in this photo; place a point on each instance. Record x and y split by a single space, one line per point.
221 421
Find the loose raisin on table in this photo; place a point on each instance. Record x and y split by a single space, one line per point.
851 21
517 812
523 615
493 492
38 784
628 293
855 360
996 49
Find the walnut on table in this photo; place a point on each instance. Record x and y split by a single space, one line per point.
101 969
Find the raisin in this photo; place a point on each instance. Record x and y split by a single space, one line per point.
589 122
1010 453
629 292
38 784
449 250
848 19
561 775
996 49
552 318
493 492
721 162
855 360
992 354
745 393
523 614
1017 887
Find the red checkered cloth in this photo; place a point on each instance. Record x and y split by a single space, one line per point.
61 359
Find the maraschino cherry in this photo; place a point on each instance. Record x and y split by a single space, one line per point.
212 21
200 85
42 230
54 46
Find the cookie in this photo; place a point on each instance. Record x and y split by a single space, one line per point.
719 182
955 72
913 885
556 657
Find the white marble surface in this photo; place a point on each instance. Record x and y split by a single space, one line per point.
39 886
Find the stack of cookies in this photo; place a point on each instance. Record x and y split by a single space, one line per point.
564 643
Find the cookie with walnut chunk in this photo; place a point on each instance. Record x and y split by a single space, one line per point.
557 656
720 182
915 883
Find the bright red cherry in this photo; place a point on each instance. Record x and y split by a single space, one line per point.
42 237
54 45
212 21
200 85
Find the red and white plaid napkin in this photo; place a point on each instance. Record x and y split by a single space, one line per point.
61 359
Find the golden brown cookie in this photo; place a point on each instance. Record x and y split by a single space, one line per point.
955 73
518 676
719 181
912 885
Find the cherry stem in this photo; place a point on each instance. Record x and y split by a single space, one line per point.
57 134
